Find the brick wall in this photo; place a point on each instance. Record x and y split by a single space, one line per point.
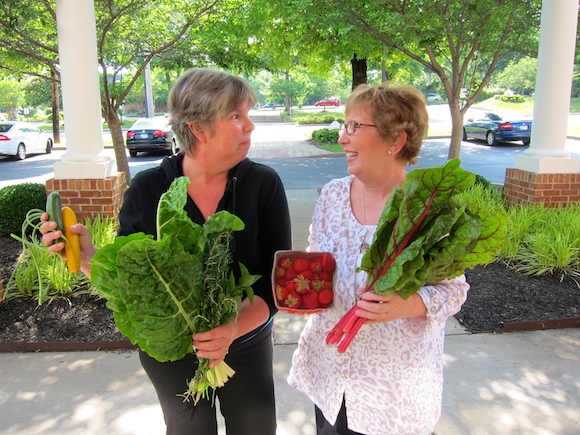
522 187
92 197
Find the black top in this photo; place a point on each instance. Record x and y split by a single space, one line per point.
254 193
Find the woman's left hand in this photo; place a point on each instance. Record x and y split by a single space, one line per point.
215 344
385 308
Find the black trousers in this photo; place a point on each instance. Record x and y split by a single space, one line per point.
246 401
323 427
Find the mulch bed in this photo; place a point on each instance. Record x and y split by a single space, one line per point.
500 300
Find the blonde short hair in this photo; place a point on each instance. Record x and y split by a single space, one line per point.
395 108
202 95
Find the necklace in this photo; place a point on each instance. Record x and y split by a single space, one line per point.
364 247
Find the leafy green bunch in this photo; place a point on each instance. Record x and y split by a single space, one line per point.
425 234
164 291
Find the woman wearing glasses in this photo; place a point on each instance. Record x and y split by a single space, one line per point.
390 379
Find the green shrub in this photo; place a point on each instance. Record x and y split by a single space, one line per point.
481 180
318 119
540 240
16 201
484 95
324 136
512 98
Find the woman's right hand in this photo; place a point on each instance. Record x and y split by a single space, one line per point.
50 235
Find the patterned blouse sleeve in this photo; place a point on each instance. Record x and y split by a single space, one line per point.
445 298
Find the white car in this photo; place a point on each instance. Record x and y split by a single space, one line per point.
433 97
19 139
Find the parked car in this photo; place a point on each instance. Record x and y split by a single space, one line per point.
493 129
271 105
151 134
433 97
20 139
328 102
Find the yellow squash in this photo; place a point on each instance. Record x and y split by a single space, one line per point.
72 247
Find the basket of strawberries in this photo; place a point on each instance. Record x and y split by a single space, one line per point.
302 281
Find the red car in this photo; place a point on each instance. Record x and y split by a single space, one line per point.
328 102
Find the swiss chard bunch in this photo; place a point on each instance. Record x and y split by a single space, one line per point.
424 235
165 290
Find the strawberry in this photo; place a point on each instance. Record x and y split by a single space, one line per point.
310 300
280 271
317 285
328 263
325 297
281 292
300 265
291 286
316 265
303 284
306 274
325 276
290 273
285 262
293 300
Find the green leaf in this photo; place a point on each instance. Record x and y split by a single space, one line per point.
425 234
172 219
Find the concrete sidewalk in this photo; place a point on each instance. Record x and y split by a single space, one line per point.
495 384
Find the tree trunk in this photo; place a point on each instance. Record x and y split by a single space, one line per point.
384 72
55 106
456 130
118 141
359 71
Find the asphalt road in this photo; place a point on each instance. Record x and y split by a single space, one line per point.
283 146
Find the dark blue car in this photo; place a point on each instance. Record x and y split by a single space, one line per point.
151 134
493 129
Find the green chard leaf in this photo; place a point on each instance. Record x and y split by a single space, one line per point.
165 290
426 235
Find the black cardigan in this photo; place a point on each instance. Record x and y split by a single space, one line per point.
254 193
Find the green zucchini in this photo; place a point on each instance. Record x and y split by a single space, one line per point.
54 209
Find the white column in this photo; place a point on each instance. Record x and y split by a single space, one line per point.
547 153
77 45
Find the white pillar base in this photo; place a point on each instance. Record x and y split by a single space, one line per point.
84 171
547 165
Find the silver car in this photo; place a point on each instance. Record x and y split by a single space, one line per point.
20 139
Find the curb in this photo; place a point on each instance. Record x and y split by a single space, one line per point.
529 325
64 346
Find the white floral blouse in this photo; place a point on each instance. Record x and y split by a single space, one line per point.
392 374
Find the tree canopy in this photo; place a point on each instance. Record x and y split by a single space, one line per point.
461 41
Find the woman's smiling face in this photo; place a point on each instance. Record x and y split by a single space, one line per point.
365 148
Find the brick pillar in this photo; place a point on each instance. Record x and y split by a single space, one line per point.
91 197
523 188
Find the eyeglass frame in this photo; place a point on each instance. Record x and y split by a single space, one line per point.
346 126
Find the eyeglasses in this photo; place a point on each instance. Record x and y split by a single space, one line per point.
351 126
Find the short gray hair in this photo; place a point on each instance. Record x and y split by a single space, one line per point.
202 95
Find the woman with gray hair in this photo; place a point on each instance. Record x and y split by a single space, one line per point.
210 116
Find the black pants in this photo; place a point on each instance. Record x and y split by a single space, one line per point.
323 427
246 401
